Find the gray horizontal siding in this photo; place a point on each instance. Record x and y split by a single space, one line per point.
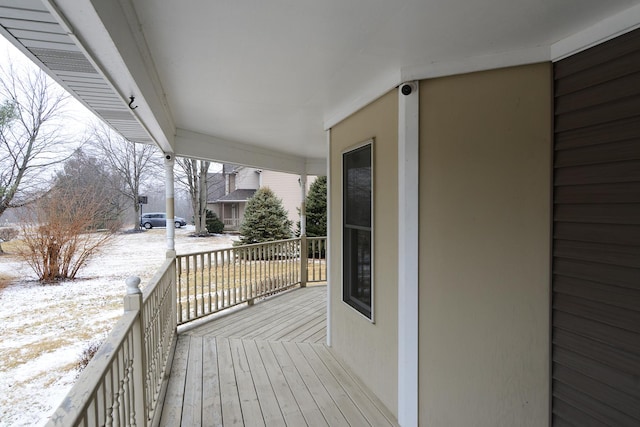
596 240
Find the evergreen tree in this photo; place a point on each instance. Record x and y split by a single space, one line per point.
214 225
316 208
265 219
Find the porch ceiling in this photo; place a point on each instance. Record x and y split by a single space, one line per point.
257 83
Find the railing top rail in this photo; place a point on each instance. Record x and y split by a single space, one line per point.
77 400
252 245
157 277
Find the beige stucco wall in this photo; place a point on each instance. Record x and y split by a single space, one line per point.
287 188
484 248
369 349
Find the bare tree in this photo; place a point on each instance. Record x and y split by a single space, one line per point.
83 173
31 112
131 164
195 181
59 233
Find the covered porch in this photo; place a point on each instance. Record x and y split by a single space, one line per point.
473 257
266 365
228 337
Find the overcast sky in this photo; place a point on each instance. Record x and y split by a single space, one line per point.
76 110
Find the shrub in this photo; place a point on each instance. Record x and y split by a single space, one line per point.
59 234
316 209
86 355
265 219
214 225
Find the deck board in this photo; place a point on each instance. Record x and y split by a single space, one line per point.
172 408
251 413
268 402
290 409
192 404
211 403
299 390
330 410
231 410
266 365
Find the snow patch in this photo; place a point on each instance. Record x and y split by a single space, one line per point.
45 328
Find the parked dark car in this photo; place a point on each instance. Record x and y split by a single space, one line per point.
159 219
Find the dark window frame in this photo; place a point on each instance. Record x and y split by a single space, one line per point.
357 228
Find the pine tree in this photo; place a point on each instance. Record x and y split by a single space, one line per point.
316 208
265 219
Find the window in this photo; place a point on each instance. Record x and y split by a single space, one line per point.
357 231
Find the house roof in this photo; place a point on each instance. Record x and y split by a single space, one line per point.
241 195
257 83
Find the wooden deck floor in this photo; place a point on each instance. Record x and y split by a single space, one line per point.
266 365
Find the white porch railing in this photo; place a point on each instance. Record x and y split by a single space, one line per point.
215 280
231 223
126 379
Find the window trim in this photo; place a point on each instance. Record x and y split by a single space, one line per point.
354 305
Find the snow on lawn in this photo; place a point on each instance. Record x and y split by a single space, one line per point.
45 328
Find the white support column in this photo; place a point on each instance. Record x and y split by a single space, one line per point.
303 204
303 231
408 222
329 237
169 162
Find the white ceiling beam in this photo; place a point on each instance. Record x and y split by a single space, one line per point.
604 30
200 146
110 34
376 89
476 63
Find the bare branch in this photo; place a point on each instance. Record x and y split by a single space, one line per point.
131 164
31 139
59 234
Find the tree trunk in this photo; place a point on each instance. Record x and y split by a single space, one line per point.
201 217
136 214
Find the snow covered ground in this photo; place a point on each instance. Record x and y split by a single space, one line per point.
45 328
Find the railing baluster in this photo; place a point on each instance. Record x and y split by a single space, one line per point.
215 266
209 274
242 274
188 275
201 285
179 290
223 282
120 386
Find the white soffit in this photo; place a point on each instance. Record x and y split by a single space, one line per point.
43 36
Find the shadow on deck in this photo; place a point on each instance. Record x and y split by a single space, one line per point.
266 365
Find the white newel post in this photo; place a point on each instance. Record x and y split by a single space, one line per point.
169 162
133 302
408 223
329 234
303 231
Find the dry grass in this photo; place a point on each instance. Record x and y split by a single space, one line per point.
12 247
5 280
18 356
202 290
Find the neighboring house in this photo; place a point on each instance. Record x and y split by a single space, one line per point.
230 190
493 280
